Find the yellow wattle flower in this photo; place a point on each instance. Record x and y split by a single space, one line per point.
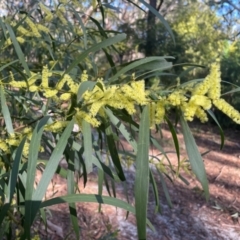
215 81
42 28
3 146
201 114
60 15
80 115
48 13
49 93
202 101
33 88
65 96
56 126
84 76
160 111
45 75
176 98
229 110
33 27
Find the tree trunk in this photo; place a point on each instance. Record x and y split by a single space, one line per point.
151 30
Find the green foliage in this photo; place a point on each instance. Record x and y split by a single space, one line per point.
55 93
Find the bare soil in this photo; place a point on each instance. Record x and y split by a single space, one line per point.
191 217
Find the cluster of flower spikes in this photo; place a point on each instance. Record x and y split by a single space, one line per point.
203 96
125 96
192 99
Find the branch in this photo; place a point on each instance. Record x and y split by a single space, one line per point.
160 5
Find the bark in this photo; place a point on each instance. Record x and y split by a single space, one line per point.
151 30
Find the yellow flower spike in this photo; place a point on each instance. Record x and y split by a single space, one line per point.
139 94
109 93
215 81
189 110
176 98
13 142
23 31
65 96
80 115
71 84
48 13
84 76
56 126
61 83
129 106
27 130
3 146
160 111
18 84
12 79
226 108
50 93
26 149
8 42
42 28
45 75
95 107
33 88
20 39
60 15
201 88
33 27
201 114
202 101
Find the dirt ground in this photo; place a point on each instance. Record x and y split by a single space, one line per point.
191 216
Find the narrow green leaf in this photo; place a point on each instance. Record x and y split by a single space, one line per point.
73 198
165 189
102 11
113 151
175 139
12 181
8 64
4 31
142 174
14 171
5 112
82 26
117 123
70 190
160 148
100 185
87 143
133 65
84 86
219 126
194 156
48 173
95 48
18 49
31 170
155 192
97 161
231 91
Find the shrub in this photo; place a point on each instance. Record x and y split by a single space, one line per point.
52 97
